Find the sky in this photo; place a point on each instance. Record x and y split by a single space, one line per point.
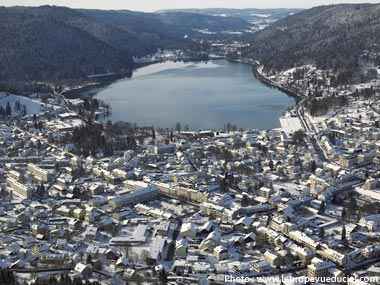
154 5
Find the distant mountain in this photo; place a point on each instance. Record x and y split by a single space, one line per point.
330 36
171 27
58 44
200 21
258 18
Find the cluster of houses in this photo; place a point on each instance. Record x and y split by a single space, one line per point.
206 205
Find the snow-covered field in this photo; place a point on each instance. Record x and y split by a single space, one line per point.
159 67
290 124
262 15
32 106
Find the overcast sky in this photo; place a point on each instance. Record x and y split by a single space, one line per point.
153 5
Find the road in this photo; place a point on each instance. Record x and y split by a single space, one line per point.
299 109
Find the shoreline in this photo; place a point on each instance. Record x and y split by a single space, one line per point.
286 120
292 93
102 81
266 81
105 80
90 90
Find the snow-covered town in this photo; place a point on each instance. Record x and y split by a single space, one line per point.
185 207
190 142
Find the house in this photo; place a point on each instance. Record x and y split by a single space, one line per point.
91 233
122 262
188 230
272 258
96 189
243 224
157 248
261 266
14 248
372 223
211 241
303 253
56 259
38 229
84 269
221 253
28 241
73 224
163 228
92 249
18 264
61 244
207 228
319 268
181 248
40 249
201 267
265 192
251 237
222 268
112 254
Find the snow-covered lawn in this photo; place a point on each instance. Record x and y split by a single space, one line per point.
32 106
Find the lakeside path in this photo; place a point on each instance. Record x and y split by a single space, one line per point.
299 108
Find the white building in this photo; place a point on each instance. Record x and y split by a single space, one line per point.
370 222
20 189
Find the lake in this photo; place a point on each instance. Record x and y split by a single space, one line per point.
202 95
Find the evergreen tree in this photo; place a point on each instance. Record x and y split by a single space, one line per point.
223 186
89 259
7 277
38 145
8 110
153 133
271 164
162 277
322 233
344 214
245 201
352 207
344 238
42 189
322 208
313 166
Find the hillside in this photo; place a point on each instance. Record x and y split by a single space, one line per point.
331 37
108 33
43 48
59 45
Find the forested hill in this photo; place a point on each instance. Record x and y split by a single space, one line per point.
34 47
58 44
329 36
